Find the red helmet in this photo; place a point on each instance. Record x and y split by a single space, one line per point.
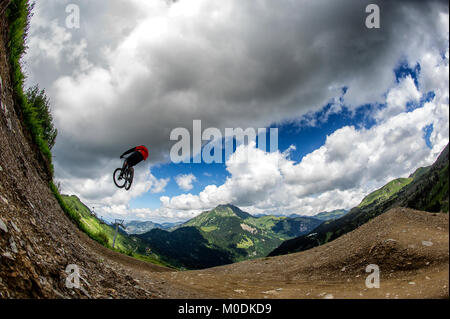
143 150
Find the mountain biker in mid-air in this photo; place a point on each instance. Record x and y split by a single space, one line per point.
138 154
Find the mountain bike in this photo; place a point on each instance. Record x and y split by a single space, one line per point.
123 178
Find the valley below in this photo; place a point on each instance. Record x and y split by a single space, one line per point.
410 247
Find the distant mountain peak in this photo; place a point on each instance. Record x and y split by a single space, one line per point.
232 209
230 206
227 206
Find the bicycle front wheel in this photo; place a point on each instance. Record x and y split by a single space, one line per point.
130 176
119 181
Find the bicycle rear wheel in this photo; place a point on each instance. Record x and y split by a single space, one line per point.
119 181
130 176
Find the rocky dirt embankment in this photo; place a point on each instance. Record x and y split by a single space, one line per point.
37 240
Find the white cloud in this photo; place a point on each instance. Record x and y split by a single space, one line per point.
185 181
137 69
105 196
161 66
53 47
49 45
159 185
339 174
398 97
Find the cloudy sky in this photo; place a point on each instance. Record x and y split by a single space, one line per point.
354 107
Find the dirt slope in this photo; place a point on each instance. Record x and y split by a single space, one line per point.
410 247
37 242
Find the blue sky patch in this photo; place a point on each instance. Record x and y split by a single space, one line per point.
427 130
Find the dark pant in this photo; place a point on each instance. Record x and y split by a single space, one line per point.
135 158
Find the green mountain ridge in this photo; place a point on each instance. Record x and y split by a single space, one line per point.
426 189
334 214
185 247
104 233
385 192
137 227
223 235
228 233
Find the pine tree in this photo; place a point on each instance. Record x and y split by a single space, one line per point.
41 106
